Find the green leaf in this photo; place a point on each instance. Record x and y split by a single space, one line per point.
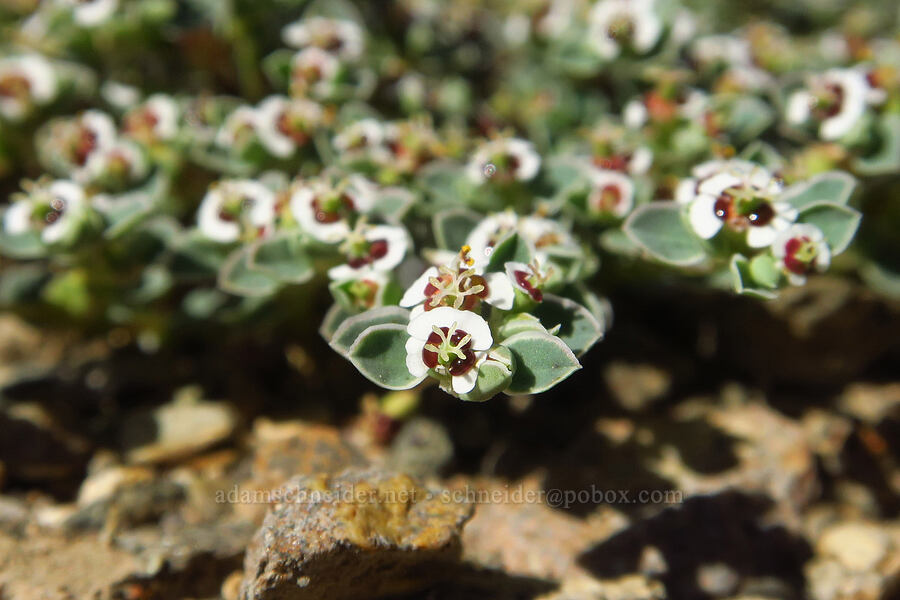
394 202
577 326
69 291
519 323
838 223
333 319
277 67
494 376
660 229
196 256
743 280
21 283
201 303
886 157
835 187
541 361
351 327
446 184
764 271
511 248
748 118
616 241
238 276
23 245
283 258
452 227
380 355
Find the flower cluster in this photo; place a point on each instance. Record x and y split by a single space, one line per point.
453 175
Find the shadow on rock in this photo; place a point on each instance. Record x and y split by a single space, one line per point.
724 529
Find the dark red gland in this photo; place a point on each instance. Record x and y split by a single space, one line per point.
289 129
522 279
830 103
791 262
457 366
377 249
14 86
608 197
84 145
761 215
613 163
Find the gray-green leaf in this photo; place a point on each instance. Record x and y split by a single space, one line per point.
380 355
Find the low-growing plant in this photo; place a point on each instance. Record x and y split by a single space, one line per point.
458 175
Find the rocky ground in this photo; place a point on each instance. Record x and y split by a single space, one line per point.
711 448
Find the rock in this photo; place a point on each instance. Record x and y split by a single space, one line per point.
871 403
176 430
61 568
636 386
283 450
363 533
627 587
829 580
35 447
421 448
717 579
14 515
515 532
858 546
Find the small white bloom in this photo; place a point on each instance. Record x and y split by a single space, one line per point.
238 129
624 23
25 82
234 207
739 194
55 209
635 115
314 71
729 49
449 342
341 37
556 19
91 13
360 135
611 193
323 209
799 250
155 120
528 279
641 160
504 159
119 163
120 95
371 248
835 100
459 284
283 125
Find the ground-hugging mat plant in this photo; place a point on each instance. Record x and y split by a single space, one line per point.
464 178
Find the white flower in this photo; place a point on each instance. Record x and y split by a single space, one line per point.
90 13
119 163
55 209
635 115
25 81
504 159
77 140
156 119
729 49
377 248
739 194
557 18
800 250
835 100
539 232
324 209
452 343
120 95
459 284
238 129
611 193
633 24
641 160
341 37
283 125
314 71
360 135
528 279
234 207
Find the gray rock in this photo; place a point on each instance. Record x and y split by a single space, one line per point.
360 534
